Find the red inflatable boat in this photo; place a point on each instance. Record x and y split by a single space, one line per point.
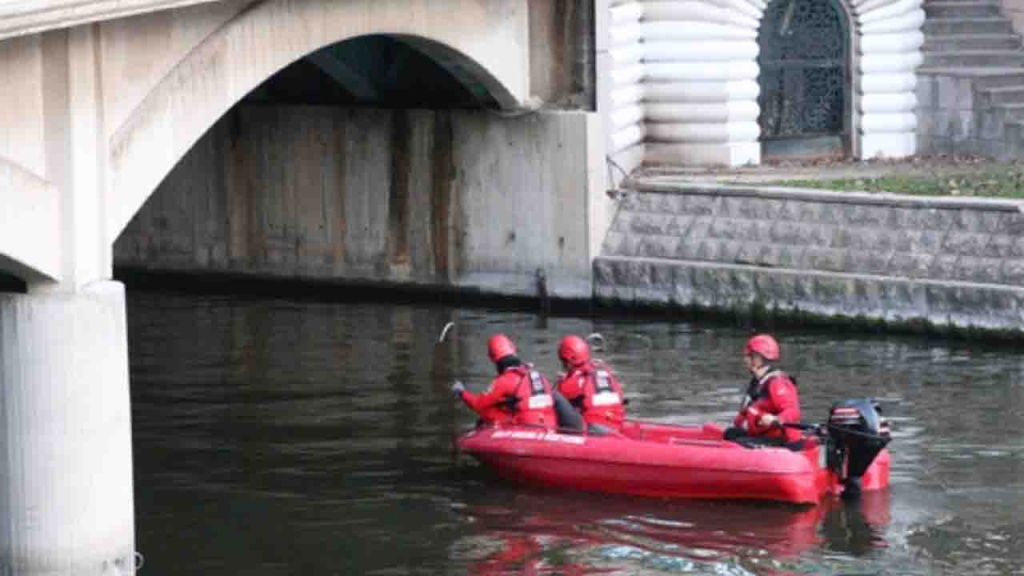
662 460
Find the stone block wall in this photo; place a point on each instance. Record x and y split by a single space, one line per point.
947 261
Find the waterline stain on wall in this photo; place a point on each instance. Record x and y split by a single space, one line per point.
399 196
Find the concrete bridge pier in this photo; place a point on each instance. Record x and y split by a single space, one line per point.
65 434
66 499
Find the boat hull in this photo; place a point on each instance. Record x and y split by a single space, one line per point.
661 461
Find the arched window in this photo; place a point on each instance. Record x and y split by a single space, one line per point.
804 79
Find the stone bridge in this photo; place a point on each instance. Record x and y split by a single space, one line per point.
102 100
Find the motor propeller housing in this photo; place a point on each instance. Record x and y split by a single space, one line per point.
857 432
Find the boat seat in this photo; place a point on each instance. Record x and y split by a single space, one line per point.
758 442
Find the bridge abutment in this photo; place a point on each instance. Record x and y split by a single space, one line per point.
455 199
65 434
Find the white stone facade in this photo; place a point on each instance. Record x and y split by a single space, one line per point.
683 79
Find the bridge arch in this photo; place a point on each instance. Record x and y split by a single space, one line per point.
475 43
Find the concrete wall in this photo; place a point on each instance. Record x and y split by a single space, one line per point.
134 55
21 117
459 198
34 16
138 52
561 53
945 261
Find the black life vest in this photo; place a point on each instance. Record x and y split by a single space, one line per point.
537 394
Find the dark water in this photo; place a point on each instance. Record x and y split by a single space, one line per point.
280 437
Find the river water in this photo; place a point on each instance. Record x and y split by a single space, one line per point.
277 436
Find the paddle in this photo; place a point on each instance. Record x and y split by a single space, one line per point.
444 332
437 360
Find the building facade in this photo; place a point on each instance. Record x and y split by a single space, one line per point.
736 82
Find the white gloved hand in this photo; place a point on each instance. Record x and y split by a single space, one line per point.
457 389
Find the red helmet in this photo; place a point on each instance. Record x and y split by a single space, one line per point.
500 346
764 345
573 350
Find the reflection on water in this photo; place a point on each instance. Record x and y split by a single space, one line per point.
562 533
281 437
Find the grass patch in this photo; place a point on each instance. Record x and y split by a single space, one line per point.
1005 183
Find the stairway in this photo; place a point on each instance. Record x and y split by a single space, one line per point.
971 86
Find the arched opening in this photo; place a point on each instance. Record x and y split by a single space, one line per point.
383 158
381 71
11 283
15 275
427 63
805 80
322 165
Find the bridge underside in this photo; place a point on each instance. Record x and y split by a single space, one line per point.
123 101
370 160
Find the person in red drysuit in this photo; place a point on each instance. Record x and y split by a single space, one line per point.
591 387
519 395
772 399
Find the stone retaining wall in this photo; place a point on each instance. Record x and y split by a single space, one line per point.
947 261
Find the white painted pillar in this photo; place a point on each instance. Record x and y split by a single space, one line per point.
700 84
66 504
620 73
890 46
76 152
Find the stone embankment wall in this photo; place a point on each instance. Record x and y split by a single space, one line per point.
946 262
461 199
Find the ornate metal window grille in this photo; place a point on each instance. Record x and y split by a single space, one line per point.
803 61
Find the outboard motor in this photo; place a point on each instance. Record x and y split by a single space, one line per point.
857 432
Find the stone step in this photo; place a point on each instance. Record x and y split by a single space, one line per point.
1010 77
958 26
982 77
961 9
957 42
1014 111
975 58
1006 94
